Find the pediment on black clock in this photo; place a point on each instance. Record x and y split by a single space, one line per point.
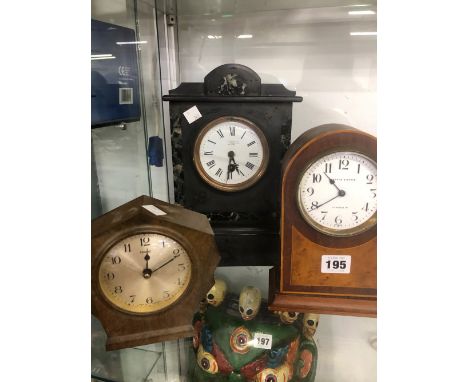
232 80
231 83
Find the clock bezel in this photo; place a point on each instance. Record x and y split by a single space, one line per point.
231 187
142 229
363 227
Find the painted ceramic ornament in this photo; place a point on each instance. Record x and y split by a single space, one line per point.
249 302
288 317
305 363
280 374
206 361
215 295
310 323
277 356
240 340
262 348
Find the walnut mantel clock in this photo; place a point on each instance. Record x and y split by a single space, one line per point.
152 263
229 135
328 224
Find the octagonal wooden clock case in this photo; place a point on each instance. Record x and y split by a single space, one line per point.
229 134
152 264
328 224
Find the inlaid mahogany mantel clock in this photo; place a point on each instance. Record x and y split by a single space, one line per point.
328 224
229 134
152 264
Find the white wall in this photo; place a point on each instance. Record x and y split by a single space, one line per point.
308 50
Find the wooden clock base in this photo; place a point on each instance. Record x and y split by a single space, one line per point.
321 304
149 337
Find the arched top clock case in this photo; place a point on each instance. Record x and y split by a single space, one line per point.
232 100
126 264
310 146
301 283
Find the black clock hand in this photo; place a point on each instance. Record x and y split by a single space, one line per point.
232 164
147 272
340 193
167 262
320 205
229 170
332 182
231 155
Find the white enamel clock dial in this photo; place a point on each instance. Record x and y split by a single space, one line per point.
337 193
231 153
144 273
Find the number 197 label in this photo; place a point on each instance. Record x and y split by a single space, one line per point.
262 340
336 264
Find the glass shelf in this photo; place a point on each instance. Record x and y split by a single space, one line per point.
164 361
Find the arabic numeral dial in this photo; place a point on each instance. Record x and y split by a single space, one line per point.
144 273
337 193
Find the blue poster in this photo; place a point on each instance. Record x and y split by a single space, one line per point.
115 91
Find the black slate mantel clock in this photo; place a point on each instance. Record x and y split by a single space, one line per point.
229 135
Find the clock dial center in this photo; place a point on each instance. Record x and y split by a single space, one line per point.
147 273
247 153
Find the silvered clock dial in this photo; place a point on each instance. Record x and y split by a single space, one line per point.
144 273
231 153
337 193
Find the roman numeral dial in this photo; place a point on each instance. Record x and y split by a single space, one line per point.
231 153
337 193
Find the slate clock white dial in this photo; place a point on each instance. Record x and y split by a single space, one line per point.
337 193
231 153
144 273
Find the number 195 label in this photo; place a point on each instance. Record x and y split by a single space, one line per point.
336 264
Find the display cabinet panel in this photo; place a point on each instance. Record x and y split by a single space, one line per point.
128 153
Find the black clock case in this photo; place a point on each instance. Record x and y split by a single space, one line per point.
246 223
